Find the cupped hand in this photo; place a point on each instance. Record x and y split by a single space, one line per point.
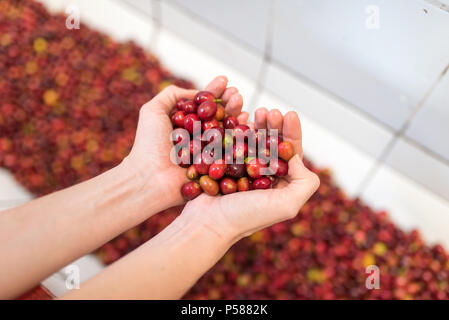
240 214
150 155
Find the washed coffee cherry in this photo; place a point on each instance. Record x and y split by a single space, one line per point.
220 112
192 173
189 120
217 169
243 184
203 96
191 190
254 168
189 107
272 140
228 185
209 185
202 164
210 124
230 122
262 183
235 170
279 167
207 110
180 104
178 118
286 150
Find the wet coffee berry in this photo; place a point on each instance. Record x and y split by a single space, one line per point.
228 185
235 170
202 163
178 118
230 122
278 167
262 183
209 185
217 169
189 107
192 173
189 121
191 190
203 96
286 150
254 168
220 114
206 111
243 184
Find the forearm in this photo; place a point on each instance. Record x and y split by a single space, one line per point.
163 268
42 236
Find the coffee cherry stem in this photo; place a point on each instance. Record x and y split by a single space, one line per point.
218 100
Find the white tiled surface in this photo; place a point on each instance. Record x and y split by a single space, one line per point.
232 17
186 59
420 166
207 39
335 115
409 205
384 71
112 17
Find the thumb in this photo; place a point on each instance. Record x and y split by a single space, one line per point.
303 182
167 98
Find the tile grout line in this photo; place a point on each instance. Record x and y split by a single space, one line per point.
398 134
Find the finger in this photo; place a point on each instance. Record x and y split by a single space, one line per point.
167 98
243 117
251 125
234 105
303 182
217 86
229 92
275 120
292 131
260 118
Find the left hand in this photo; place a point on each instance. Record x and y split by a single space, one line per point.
150 154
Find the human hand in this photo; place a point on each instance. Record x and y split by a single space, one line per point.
237 215
150 155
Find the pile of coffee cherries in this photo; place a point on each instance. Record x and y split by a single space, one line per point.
68 111
223 156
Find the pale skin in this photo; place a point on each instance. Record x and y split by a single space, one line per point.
44 235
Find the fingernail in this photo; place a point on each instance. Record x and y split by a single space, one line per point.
222 78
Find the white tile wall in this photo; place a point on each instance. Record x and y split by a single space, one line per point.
207 39
188 60
420 166
384 71
410 205
246 21
332 113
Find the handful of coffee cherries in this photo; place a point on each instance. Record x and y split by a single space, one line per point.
221 155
